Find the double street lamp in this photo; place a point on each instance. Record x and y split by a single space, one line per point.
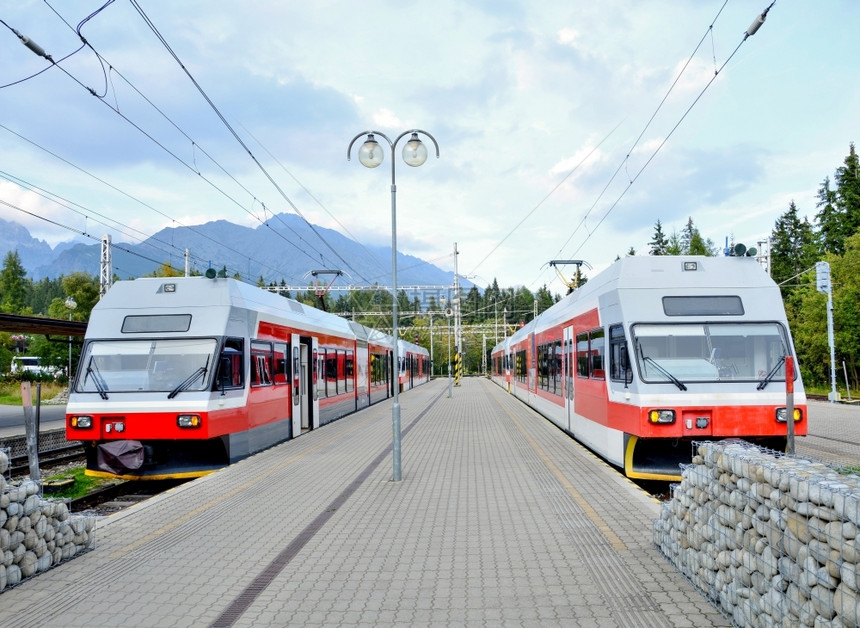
370 155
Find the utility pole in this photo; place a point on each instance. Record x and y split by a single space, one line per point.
458 338
824 285
105 265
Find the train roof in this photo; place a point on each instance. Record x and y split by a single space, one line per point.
411 346
213 297
633 278
370 335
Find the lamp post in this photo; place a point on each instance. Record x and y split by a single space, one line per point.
370 155
71 304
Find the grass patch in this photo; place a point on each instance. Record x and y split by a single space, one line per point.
10 392
83 484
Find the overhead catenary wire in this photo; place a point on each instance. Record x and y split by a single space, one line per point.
154 140
752 30
108 69
73 230
233 132
106 183
550 193
624 162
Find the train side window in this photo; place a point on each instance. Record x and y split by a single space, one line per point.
542 367
619 358
582 361
330 372
230 361
282 363
349 366
341 371
521 366
261 363
556 368
597 353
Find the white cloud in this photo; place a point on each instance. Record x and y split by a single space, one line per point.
516 93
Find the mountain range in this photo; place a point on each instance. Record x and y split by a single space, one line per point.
286 248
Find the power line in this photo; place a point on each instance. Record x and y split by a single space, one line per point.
748 33
229 127
132 197
39 51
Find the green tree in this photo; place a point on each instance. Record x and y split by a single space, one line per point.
659 242
13 285
675 245
839 209
544 298
692 242
42 293
846 315
166 270
830 224
793 248
471 307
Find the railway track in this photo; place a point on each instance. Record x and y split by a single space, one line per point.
48 459
114 497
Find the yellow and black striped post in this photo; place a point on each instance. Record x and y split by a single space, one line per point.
458 368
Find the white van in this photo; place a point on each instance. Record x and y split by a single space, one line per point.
30 364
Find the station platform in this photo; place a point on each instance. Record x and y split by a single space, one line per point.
500 519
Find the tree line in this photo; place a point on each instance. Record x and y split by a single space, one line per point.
796 244
487 316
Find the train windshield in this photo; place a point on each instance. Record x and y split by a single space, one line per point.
146 365
710 352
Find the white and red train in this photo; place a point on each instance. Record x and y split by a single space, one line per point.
181 376
657 352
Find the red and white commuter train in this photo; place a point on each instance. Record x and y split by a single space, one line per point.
657 352
181 376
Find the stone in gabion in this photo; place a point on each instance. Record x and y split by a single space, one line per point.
770 539
35 533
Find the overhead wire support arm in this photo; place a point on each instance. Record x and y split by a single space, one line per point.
571 284
321 292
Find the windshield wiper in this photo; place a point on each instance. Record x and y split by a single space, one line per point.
663 371
769 376
189 380
93 369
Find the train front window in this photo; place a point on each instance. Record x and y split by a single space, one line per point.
147 365
710 351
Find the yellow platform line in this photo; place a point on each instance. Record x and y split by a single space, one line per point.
595 518
203 508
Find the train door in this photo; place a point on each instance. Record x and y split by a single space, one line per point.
319 384
568 377
362 375
300 385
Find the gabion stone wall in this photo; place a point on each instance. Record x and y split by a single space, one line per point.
770 539
36 534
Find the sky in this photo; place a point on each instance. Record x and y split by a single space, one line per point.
565 130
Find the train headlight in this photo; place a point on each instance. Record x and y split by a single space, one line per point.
661 416
189 420
81 422
780 415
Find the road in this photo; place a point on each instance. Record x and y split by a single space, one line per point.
12 419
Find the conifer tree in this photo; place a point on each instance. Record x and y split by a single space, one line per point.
839 209
793 249
659 243
13 284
